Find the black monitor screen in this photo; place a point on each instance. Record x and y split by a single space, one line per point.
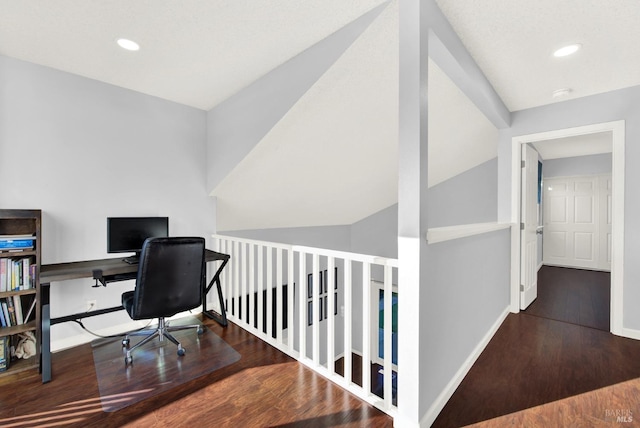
127 234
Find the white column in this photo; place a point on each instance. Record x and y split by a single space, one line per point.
412 204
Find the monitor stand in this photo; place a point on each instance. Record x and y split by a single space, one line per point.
132 260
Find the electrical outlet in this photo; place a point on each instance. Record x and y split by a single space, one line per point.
92 305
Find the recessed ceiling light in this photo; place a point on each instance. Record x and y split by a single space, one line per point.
129 45
561 92
567 50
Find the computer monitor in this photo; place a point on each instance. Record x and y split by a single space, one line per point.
127 234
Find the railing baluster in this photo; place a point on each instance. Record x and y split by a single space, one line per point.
236 279
315 318
250 296
347 321
291 329
269 293
302 293
388 325
259 288
224 275
279 304
367 327
243 284
331 329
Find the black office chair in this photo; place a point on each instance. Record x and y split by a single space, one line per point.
171 275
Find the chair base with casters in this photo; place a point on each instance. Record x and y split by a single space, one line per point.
161 332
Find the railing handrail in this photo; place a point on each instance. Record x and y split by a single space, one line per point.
447 233
357 257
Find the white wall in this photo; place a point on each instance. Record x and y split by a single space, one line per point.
81 151
578 165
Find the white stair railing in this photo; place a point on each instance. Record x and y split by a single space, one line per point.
287 296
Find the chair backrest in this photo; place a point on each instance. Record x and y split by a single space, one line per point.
171 275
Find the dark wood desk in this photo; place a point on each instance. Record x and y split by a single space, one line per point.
105 271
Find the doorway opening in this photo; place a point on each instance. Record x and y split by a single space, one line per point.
616 130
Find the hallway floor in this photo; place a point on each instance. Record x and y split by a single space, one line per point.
532 361
576 296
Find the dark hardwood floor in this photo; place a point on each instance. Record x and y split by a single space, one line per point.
265 388
575 296
533 360
530 361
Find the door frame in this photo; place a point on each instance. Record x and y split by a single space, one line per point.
617 128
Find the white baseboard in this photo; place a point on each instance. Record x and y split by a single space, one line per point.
85 337
630 333
453 384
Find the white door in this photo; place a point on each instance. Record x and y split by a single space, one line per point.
529 224
577 222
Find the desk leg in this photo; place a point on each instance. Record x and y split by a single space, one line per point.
219 318
45 355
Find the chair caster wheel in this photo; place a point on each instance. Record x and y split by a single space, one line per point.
200 330
125 343
181 352
128 360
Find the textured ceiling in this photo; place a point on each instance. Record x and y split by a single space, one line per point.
513 41
199 52
193 52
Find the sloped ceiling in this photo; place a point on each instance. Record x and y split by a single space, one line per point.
332 158
192 52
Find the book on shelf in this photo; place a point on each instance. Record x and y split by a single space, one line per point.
18 237
3 323
3 274
12 311
17 305
4 353
5 310
32 275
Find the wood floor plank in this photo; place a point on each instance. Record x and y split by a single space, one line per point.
265 388
532 361
535 359
576 296
610 406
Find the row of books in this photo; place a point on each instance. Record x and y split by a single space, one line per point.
17 274
12 311
16 242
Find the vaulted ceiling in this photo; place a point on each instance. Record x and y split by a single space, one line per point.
201 53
